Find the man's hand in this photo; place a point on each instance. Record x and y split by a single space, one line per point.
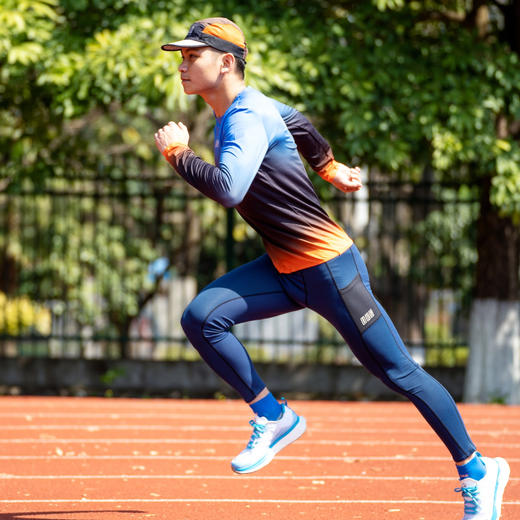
341 176
171 136
347 179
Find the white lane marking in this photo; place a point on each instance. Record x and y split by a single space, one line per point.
318 479
349 459
214 428
241 417
230 500
118 440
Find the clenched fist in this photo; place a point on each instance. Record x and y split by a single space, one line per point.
171 135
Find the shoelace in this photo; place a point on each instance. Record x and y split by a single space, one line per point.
258 430
471 500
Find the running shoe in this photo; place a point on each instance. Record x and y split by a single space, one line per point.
268 438
483 498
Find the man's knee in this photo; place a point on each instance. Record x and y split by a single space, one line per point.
191 320
205 319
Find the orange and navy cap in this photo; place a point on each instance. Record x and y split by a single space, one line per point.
220 33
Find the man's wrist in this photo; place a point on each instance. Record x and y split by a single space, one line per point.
174 149
328 172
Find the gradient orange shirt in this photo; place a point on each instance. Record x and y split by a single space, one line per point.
258 171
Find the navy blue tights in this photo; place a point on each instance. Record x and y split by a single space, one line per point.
338 290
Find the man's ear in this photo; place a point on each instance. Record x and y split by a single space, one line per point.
228 63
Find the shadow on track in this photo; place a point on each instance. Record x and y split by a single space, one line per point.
55 515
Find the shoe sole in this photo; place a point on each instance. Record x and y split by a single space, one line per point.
297 430
502 479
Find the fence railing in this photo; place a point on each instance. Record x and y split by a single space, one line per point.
103 268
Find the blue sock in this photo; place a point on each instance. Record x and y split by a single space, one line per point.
474 469
267 407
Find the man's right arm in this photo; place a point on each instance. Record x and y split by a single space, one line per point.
242 150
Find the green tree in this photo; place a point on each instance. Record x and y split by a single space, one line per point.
84 87
77 103
420 91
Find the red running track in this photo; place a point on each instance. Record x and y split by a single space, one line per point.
123 459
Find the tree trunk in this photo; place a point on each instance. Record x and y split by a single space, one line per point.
493 372
8 264
498 246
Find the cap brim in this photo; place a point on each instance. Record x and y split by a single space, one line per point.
182 44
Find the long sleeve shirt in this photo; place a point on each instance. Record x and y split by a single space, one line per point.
259 172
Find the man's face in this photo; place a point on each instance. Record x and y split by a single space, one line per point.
200 69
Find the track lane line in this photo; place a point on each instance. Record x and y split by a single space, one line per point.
301 442
241 417
234 500
318 478
227 458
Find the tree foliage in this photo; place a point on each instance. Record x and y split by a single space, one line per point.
396 85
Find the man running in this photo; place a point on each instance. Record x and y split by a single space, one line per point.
310 261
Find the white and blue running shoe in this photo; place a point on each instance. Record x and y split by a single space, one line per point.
268 438
483 498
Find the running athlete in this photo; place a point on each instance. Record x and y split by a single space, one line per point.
310 260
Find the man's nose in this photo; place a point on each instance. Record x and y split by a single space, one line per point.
182 67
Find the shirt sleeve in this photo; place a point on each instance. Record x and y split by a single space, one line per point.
311 144
241 150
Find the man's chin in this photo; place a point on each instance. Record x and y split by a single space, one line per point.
187 88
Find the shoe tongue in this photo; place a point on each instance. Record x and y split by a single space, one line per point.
261 420
468 482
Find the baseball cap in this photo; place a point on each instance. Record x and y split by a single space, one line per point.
220 33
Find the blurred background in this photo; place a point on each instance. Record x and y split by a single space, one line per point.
102 244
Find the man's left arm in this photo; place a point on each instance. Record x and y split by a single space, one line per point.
317 152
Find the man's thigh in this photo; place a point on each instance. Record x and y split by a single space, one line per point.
249 292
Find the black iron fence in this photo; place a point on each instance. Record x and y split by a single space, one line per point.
103 267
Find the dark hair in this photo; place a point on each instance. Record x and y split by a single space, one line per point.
240 66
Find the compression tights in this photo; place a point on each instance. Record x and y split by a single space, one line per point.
339 290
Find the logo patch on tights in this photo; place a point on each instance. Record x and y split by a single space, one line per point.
367 317
358 299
